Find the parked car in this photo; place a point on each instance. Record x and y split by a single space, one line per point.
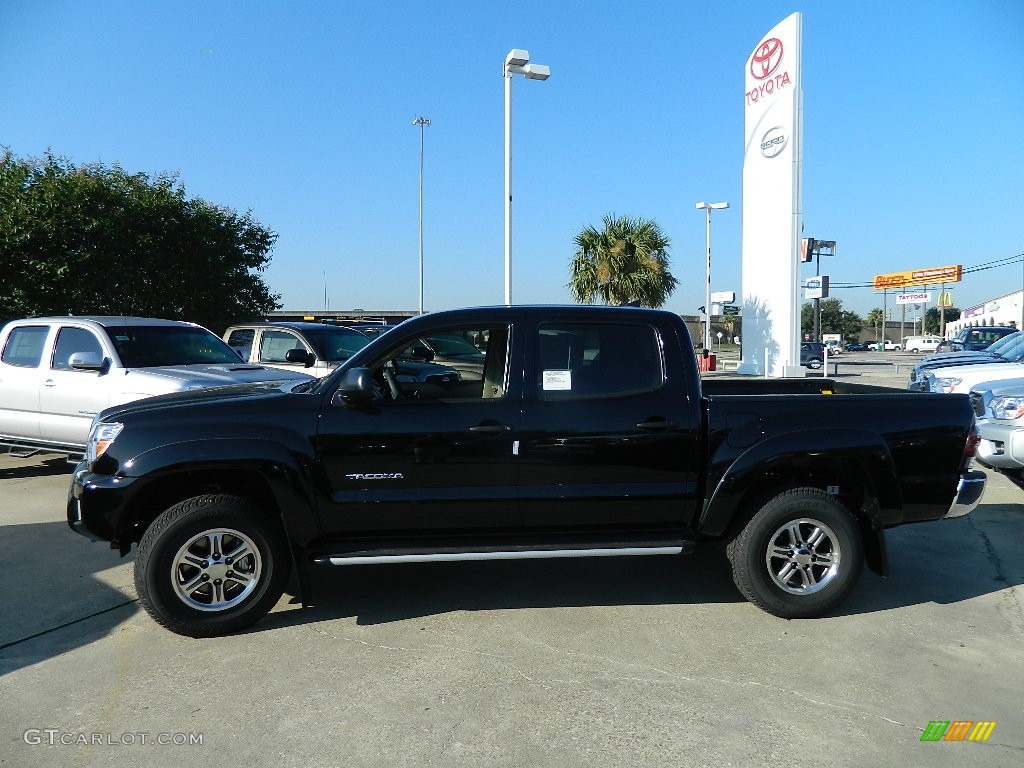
888 345
319 348
812 354
57 373
833 347
921 343
1009 349
591 434
976 338
999 407
856 346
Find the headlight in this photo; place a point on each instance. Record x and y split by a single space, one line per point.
1007 407
100 438
945 384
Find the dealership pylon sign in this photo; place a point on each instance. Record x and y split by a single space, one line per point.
772 204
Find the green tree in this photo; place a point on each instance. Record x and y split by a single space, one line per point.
625 262
833 319
933 319
90 239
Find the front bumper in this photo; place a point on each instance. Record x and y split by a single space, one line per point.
95 503
1002 445
968 494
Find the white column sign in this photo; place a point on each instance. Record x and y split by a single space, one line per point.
772 206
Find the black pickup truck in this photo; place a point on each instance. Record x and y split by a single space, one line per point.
587 431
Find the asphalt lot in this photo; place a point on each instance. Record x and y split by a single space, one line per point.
607 662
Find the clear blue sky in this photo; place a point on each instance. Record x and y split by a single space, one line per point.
302 113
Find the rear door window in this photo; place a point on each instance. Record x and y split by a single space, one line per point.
240 340
24 346
577 360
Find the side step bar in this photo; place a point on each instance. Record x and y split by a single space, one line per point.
379 557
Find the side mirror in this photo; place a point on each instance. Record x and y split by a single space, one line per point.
356 386
420 352
85 361
300 356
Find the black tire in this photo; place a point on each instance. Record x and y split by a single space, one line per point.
211 565
814 363
799 556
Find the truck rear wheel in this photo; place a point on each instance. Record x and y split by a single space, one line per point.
211 565
799 556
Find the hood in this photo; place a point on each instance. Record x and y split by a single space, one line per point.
959 360
204 396
219 375
1003 370
941 357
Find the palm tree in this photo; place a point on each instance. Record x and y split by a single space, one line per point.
877 319
625 263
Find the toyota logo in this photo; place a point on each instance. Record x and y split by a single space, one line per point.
766 59
773 142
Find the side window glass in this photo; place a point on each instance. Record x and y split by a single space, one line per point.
584 361
71 341
274 345
241 341
24 345
462 363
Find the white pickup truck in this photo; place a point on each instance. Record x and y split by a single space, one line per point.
57 373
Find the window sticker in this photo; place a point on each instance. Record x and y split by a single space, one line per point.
557 380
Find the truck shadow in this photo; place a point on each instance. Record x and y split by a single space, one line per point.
944 563
53 599
58 465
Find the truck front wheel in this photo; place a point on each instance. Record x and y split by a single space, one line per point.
211 565
799 556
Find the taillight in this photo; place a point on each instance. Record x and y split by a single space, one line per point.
971 446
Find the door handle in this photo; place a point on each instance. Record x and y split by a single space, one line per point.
49 383
490 428
658 425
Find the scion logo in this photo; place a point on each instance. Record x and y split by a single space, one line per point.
376 476
766 59
773 142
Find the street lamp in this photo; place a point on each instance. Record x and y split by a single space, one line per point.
708 207
516 63
422 122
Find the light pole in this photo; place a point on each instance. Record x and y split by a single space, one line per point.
708 207
516 63
422 122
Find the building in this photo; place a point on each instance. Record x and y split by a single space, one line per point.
1004 310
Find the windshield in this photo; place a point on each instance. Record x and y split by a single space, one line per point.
1009 347
1006 345
151 346
334 344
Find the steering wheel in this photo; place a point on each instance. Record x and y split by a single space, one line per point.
389 376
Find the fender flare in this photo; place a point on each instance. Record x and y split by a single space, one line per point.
288 474
861 452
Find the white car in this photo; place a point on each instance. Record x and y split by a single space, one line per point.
921 343
834 348
889 346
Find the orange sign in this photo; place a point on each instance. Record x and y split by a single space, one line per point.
932 276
